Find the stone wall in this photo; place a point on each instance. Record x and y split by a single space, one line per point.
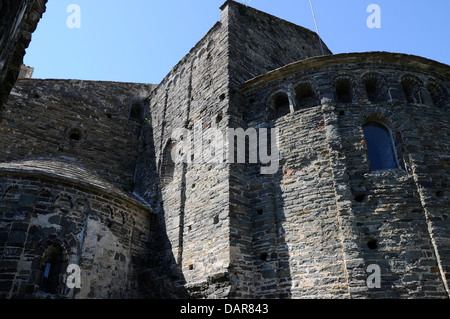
18 20
26 72
259 43
331 216
90 122
190 199
69 150
93 224
432 170
82 162
202 205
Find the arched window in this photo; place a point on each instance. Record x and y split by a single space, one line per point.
64 203
438 93
343 91
52 269
412 88
137 110
280 105
380 146
44 203
305 96
168 165
13 193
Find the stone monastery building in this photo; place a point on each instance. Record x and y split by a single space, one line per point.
87 176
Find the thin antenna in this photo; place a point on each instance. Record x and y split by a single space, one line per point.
317 29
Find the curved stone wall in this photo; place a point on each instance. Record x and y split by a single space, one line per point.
94 226
90 122
18 20
327 216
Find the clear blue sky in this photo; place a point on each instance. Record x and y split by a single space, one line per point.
140 40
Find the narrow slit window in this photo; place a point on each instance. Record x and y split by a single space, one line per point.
380 146
168 168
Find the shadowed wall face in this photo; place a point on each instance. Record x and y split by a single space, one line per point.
203 205
18 20
48 222
73 152
85 121
259 43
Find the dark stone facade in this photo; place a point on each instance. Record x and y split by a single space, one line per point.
90 122
18 20
69 149
86 174
102 230
334 216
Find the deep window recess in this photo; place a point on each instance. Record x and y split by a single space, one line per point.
372 243
52 268
343 91
168 165
380 146
75 135
280 106
305 96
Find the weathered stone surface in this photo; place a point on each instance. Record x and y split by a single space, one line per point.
82 121
399 209
106 250
86 172
18 20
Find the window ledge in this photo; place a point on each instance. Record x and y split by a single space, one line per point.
391 172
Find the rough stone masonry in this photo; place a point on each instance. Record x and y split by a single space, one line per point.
87 176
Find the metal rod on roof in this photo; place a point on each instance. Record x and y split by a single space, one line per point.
317 29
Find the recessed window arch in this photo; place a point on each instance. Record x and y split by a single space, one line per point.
279 105
63 201
137 110
76 134
380 146
438 93
52 269
376 88
305 96
343 93
13 193
412 88
168 165
81 207
44 202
